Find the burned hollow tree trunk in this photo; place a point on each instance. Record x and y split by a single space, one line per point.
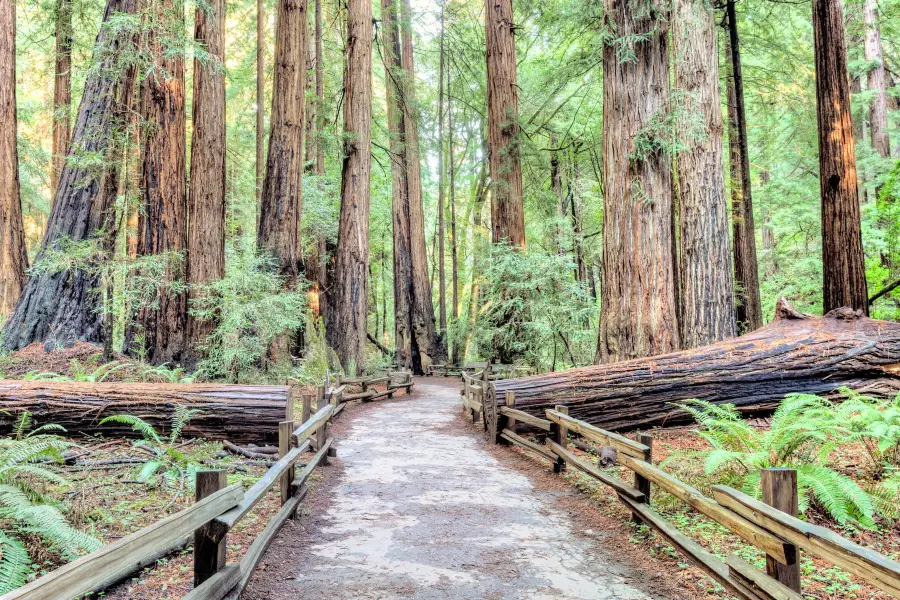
60 303
237 413
793 353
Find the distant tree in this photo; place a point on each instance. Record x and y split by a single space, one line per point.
878 121
62 90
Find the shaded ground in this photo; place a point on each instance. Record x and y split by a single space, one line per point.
417 507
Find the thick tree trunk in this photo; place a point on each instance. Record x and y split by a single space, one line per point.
281 201
422 307
13 258
62 91
260 95
405 342
843 260
507 208
162 224
206 233
62 305
638 287
748 310
794 353
320 92
875 80
706 283
236 413
347 314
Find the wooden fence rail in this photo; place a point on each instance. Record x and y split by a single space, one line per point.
764 525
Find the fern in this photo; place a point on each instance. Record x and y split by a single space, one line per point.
182 416
139 425
15 564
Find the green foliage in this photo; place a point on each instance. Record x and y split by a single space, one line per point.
319 361
804 434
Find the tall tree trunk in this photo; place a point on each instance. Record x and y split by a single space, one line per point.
260 95
162 224
62 90
422 307
206 231
62 305
405 343
844 281
705 282
13 258
442 286
310 118
638 287
748 310
320 92
347 314
507 208
875 80
281 201
456 347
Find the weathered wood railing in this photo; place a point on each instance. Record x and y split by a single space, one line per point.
764 525
473 393
218 508
393 381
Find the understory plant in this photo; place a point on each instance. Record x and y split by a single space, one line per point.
166 464
25 508
805 432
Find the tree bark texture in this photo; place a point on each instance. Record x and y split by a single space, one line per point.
456 337
62 305
442 281
62 90
347 314
706 283
748 310
638 286
843 261
422 305
507 208
162 225
793 353
237 413
320 92
260 95
878 121
281 200
405 343
13 258
206 230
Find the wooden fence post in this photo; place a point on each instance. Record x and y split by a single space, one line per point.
209 556
779 490
560 438
641 483
285 432
307 407
322 432
506 422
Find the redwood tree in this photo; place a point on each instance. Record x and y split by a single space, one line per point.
206 230
507 209
843 261
13 259
638 289
162 224
878 121
347 315
705 283
61 305
62 90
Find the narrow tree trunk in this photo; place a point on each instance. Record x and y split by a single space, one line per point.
842 252
442 287
320 92
347 314
875 80
162 224
422 308
456 347
62 90
62 305
260 95
706 282
748 310
13 258
507 208
281 201
206 233
638 287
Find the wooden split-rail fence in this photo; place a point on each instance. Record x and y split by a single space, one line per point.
770 525
218 508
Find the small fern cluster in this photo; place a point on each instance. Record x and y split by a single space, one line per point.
805 432
24 507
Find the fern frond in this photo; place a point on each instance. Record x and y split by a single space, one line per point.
136 423
182 417
15 564
23 424
149 470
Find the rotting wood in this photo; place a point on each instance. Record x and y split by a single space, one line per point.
875 568
794 353
619 486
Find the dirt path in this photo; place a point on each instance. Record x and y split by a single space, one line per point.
416 507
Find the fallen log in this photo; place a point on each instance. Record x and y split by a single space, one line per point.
238 413
793 353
